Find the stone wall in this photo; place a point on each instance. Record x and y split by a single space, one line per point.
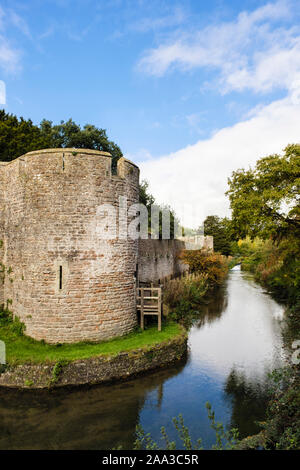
159 259
2 273
204 241
65 283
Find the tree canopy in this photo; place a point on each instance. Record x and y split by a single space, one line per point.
265 200
18 136
220 229
148 200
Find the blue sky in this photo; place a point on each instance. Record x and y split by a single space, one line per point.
204 86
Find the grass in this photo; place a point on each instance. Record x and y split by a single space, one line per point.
22 349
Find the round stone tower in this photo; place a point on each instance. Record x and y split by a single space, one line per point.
62 279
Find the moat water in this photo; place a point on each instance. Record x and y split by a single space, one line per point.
233 345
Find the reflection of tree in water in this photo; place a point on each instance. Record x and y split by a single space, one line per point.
248 399
101 417
213 309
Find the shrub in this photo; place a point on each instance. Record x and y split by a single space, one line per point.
213 265
282 426
276 266
16 325
184 295
225 439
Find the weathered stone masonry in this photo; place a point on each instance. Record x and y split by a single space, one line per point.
159 259
64 283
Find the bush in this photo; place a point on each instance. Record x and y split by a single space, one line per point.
276 266
282 427
225 439
16 325
213 265
190 287
183 296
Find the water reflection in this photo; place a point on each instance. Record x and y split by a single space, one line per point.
96 418
212 311
247 336
248 401
234 343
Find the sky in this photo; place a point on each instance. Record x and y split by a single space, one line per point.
190 90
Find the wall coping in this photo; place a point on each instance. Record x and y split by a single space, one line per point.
96 153
38 153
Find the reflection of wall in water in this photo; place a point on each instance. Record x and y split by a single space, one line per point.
214 309
97 418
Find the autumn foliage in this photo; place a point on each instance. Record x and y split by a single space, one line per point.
213 265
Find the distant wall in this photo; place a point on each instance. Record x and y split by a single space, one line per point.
204 241
159 259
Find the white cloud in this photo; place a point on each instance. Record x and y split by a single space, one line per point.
9 55
193 180
19 22
143 25
255 51
2 92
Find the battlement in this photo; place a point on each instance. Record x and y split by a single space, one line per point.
64 158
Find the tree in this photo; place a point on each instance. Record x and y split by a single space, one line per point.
18 136
70 135
148 200
265 200
220 229
145 197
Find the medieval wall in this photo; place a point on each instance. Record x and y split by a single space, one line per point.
158 259
66 283
206 242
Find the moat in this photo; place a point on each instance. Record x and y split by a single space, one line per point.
233 345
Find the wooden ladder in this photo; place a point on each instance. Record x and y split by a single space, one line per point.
149 301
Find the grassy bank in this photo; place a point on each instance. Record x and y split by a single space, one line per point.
22 349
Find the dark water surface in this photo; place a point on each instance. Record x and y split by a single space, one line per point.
234 344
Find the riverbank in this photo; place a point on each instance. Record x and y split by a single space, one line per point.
34 365
276 268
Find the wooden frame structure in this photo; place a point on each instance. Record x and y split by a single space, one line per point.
149 302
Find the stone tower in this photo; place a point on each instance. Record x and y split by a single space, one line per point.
63 281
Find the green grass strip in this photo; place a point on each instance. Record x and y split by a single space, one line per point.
22 349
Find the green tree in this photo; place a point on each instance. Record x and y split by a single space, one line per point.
70 135
148 200
145 197
265 200
265 204
220 229
18 136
